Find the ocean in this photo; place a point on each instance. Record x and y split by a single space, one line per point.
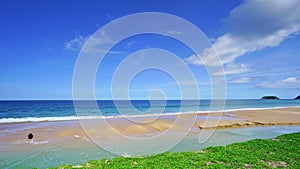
54 110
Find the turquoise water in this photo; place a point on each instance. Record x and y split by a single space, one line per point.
50 155
20 111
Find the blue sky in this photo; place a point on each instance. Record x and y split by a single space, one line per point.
258 43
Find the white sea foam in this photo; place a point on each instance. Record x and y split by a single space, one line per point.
36 119
29 142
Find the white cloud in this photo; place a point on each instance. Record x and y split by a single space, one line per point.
131 43
95 43
252 26
240 80
290 80
233 68
290 83
76 43
209 58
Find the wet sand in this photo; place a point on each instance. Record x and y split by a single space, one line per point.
267 117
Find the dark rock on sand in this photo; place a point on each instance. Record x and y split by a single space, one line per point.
30 136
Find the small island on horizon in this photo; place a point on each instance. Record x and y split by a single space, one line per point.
276 98
270 97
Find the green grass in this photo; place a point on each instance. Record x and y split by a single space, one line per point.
282 152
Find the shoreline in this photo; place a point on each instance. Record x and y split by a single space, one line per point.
145 126
76 118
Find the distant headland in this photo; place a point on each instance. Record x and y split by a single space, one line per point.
275 97
270 97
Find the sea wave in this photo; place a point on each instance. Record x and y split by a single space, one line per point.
38 119
70 118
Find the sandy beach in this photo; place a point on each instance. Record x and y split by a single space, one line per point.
266 117
139 126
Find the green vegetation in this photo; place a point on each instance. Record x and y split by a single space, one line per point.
281 152
298 97
269 97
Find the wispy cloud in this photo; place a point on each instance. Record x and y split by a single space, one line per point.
131 43
76 43
240 80
254 25
289 83
233 68
94 45
264 74
246 79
